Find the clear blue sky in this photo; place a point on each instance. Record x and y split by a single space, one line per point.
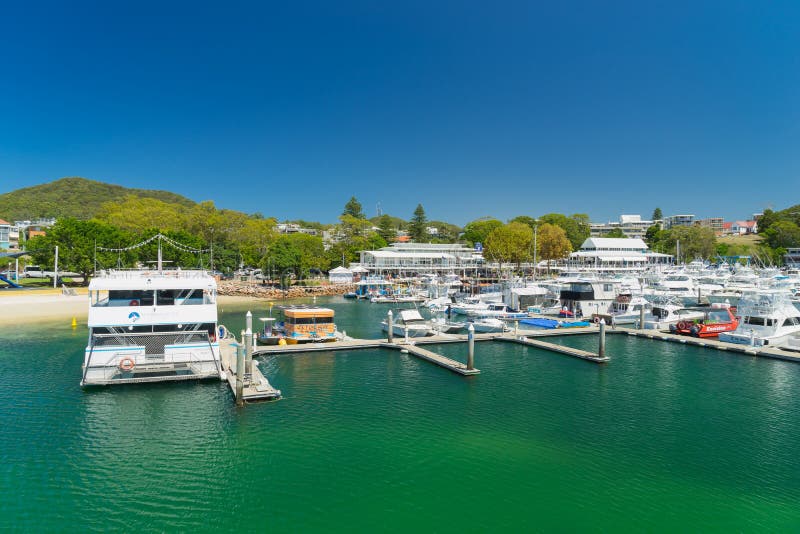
471 108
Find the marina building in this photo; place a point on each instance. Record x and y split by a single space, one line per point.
617 255
715 223
744 227
5 235
678 220
409 258
340 275
792 257
631 225
293 228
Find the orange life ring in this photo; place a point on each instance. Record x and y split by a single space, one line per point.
597 320
134 302
681 325
127 364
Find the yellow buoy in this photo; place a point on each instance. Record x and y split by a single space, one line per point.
74 323
281 341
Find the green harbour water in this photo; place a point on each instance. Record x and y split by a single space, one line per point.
663 438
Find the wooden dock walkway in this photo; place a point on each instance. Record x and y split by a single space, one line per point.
569 351
438 359
764 352
358 344
256 387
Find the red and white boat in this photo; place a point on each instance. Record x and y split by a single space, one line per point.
716 319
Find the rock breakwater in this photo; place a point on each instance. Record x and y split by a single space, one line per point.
246 289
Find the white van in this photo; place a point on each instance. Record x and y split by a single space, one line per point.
32 271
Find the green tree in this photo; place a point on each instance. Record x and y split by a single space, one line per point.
353 226
76 246
616 232
657 215
525 219
695 242
386 228
782 234
477 230
510 243
653 236
575 226
139 214
552 242
417 225
446 232
298 252
345 252
353 209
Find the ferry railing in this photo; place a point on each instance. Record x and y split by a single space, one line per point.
154 349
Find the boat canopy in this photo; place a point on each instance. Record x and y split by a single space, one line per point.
308 312
410 315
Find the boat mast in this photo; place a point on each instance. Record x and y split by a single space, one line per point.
159 254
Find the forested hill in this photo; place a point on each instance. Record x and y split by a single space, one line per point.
72 197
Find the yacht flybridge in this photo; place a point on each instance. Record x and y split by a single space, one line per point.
151 326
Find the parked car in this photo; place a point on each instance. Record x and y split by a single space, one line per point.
32 271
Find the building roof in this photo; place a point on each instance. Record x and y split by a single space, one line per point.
340 270
409 254
4 222
600 243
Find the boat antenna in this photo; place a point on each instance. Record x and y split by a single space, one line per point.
160 262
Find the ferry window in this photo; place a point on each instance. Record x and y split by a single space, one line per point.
309 320
100 297
607 287
756 321
130 298
209 296
165 297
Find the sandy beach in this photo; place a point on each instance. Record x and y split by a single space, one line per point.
24 307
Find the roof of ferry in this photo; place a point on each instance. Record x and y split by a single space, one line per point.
138 280
614 243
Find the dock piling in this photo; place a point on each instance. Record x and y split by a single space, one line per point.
248 343
470 347
641 318
601 351
239 375
390 321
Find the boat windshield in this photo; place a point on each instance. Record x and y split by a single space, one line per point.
160 297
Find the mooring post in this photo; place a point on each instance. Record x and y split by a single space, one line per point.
470 347
641 319
239 375
390 322
601 351
406 330
248 343
698 296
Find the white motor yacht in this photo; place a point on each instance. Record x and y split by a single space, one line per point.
489 324
766 317
410 322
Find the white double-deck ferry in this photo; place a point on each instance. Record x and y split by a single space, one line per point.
150 326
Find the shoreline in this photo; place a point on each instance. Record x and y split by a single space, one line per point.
37 306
